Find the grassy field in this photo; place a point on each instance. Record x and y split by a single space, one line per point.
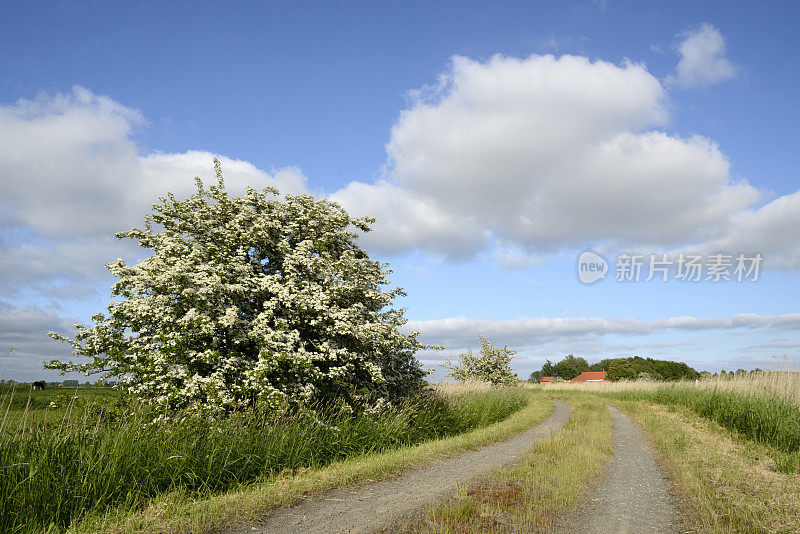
731 448
61 464
51 406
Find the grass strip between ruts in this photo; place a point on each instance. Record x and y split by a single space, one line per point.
552 478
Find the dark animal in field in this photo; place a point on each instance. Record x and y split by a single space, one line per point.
40 384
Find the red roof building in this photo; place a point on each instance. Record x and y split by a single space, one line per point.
590 376
545 379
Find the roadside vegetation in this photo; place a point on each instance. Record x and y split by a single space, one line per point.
731 444
178 512
533 494
727 483
55 473
763 406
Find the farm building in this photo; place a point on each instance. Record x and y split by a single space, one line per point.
545 379
590 376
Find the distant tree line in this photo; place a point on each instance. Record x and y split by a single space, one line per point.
732 374
617 369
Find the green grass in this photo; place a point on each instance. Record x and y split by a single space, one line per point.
52 475
769 420
531 496
727 484
52 405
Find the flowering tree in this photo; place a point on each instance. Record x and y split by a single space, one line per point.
249 302
491 364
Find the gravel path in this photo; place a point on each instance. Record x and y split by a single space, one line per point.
634 495
380 505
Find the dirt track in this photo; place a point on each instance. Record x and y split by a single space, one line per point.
634 495
380 505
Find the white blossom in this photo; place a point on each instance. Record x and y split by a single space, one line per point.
250 302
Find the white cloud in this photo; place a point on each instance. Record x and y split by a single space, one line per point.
25 328
703 60
73 176
772 230
408 220
541 154
517 157
457 332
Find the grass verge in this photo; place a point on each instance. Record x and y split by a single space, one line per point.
178 511
52 476
532 495
770 420
728 483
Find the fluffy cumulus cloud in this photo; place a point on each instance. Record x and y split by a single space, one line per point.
703 62
409 220
73 175
539 154
773 230
522 157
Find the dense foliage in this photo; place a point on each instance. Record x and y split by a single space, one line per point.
636 367
52 476
566 369
491 364
618 369
250 302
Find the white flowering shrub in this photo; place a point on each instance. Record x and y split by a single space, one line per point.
491 364
250 302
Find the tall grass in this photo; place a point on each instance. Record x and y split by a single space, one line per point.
764 407
52 476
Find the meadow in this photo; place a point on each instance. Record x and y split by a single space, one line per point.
80 456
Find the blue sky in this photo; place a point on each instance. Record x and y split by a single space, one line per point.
652 128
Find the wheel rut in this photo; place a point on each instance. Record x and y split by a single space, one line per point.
634 495
381 505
